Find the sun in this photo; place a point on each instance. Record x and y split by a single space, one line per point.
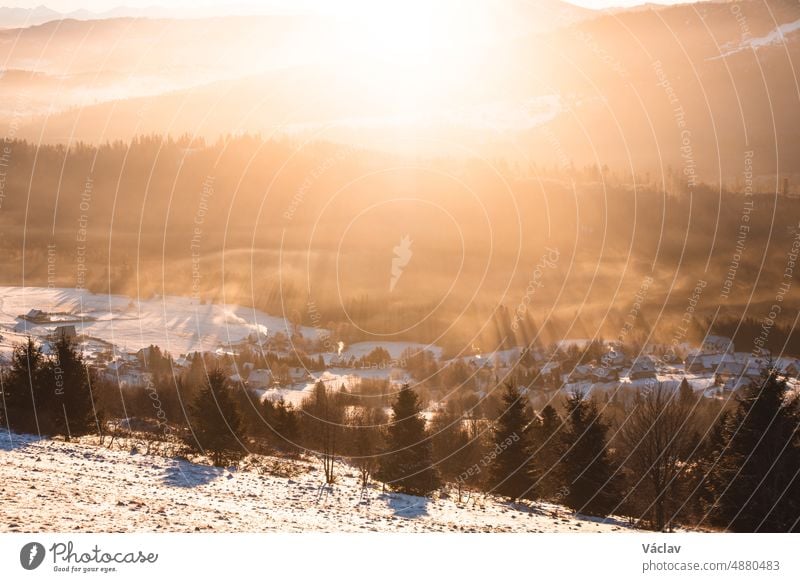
399 33
415 54
412 32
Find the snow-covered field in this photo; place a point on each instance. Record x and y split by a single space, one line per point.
334 378
177 324
697 382
395 349
51 486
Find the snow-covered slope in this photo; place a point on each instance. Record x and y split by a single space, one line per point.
55 486
177 324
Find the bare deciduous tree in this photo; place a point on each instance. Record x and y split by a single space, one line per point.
657 437
323 419
365 439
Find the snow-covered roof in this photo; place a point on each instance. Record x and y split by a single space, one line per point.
643 364
261 377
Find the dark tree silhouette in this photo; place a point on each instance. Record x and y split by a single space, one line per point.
365 440
24 389
456 449
323 425
71 406
586 468
407 463
510 467
216 422
547 451
755 482
657 438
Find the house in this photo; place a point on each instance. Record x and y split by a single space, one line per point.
643 367
613 358
735 383
126 376
792 369
298 375
135 378
35 315
115 367
717 344
728 369
694 363
755 366
580 373
260 379
65 332
603 375
551 373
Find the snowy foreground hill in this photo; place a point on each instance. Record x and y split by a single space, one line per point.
56 486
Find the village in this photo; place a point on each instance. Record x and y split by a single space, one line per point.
127 347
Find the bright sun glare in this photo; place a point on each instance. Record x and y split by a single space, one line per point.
413 53
413 32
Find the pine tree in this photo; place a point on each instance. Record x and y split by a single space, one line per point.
71 407
286 425
756 480
586 467
547 451
24 389
196 374
510 469
407 463
216 424
685 392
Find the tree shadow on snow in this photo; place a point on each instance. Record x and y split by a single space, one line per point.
16 442
610 520
407 506
182 473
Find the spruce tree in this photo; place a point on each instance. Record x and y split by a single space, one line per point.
586 467
286 426
510 468
23 389
685 392
756 480
216 424
547 451
407 462
71 404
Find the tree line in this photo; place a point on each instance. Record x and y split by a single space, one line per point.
657 464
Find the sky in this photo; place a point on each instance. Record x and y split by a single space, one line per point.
102 5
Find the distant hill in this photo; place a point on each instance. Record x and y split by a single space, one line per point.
14 17
558 85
